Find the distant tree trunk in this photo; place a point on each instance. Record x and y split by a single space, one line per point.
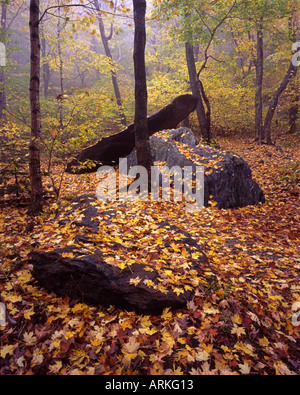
293 24
142 143
195 86
259 65
208 110
45 65
3 115
105 40
36 201
293 114
269 117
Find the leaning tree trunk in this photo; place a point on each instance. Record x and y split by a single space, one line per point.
110 149
259 65
105 40
3 116
141 131
195 86
269 117
36 201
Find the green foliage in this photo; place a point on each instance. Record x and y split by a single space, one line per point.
289 175
14 178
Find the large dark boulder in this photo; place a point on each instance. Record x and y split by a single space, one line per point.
108 150
81 271
227 178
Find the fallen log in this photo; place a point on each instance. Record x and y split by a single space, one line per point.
108 150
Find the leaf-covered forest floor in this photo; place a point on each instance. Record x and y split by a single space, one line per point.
240 324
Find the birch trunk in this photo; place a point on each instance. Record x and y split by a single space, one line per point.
36 201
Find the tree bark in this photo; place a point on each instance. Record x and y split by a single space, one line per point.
105 39
293 24
195 86
141 131
61 70
269 117
259 65
45 63
293 114
36 201
3 115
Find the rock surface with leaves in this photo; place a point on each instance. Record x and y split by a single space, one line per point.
227 176
134 276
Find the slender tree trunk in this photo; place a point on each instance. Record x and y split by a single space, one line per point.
293 24
3 115
61 69
208 110
195 86
105 40
142 143
259 65
36 201
269 117
293 114
45 65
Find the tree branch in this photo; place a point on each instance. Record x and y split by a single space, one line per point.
212 35
64 6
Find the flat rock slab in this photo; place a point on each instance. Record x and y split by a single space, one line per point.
82 270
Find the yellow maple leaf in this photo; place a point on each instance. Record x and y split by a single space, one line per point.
25 277
78 307
131 347
67 255
151 332
178 291
28 314
69 334
159 241
166 315
56 367
38 358
246 348
244 368
149 283
209 309
263 342
145 321
175 247
236 330
79 357
130 351
96 342
126 324
29 338
7 350
202 356
135 281
236 319
122 265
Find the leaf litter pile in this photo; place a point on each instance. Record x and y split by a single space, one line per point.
239 322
